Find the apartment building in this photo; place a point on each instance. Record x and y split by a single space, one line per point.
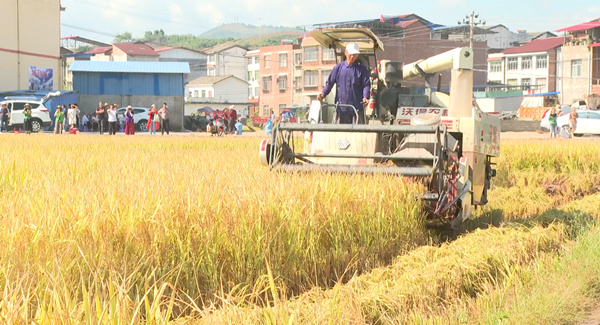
277 76
580 61
532 65
227 59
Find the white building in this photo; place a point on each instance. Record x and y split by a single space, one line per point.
502 37
30 45
227 59
532 65
196 59
217 89
253 74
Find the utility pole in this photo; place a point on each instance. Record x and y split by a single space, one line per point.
472 20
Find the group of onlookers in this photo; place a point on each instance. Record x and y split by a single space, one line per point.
553 122
106 117
226 120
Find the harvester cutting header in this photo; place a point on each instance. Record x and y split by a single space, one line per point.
443 139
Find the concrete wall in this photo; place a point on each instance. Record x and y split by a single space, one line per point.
88 104
575 88
517 125
30 37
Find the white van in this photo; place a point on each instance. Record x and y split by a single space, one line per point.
40 115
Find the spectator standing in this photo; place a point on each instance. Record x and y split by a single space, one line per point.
85 121
226 120
77 111
100 113
112 120
59 120
573 122
552 121
72 116
129 125
27 118
232 119
273 117
151 117
4 113
164 113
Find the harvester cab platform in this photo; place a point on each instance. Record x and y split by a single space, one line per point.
442 139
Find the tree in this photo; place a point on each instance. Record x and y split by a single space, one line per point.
124 37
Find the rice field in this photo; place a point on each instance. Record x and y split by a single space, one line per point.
117 230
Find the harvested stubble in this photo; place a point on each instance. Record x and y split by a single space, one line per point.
99 229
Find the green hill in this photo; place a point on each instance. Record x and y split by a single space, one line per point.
240 31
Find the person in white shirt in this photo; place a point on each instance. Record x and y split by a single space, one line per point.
85 120
112 120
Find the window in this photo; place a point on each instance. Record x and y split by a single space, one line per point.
195 93
211 58
324 75
266 83
311 53
298 58
512 64
267 59
541 62
576 68
250 75
283 60
496 66
511 82
298 83
526 82
255 92
282 81
204 94
526 63
266 111
211 72
282 106
328 55
541 84
310 78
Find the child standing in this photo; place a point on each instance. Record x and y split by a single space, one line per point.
27 118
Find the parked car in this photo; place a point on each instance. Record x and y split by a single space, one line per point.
588 122
544 124
40 115
140 117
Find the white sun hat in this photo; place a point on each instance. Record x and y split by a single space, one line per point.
352 48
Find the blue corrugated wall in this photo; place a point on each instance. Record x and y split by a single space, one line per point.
149 84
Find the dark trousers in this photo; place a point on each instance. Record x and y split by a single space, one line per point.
27 125
101 125
164 126
112 128
4 124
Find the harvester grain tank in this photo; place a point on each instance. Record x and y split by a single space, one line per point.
448 142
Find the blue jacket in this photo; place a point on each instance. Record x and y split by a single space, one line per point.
353 84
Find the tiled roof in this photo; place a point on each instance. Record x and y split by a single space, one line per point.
407 23
209 80
221 47
538 45
101 50
130 67
136 49
584 26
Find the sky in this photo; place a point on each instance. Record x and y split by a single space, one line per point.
103 19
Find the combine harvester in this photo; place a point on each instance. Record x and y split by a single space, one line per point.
448 142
